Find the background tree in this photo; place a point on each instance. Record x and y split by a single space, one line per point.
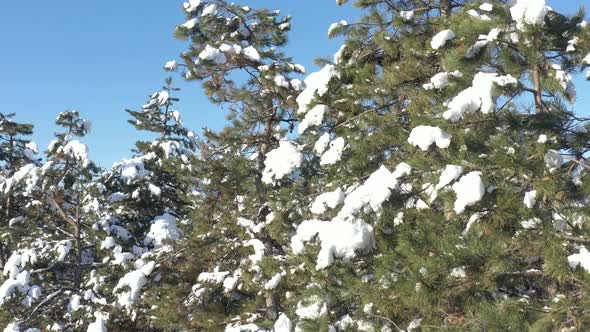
146 200
50 271
238 242
16 151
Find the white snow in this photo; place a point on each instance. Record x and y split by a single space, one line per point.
459 272
531 223
486 7
190 23
283 324
374 192
251 225
334 153
441 80
407 15
299 68
339 53
281 161
11 267
327 200
322 143
530 198
424 136
215 277
530 12
155 191
230 283
313 118
210 53
477 97
170 65
162 228
448 175
29 174
336 25
281 81
62 249
76 150
251 53
15 327
313 310
74 304
209 10
542 139
338 239
15 221
472 220
258 247
231 48
572 43
132 169
483 41
108 243
315 83
32 147
565 81
132 283
582 258
191 5
441 38
160 98
414 324
20 282
99 325
273 282
469 190
297 84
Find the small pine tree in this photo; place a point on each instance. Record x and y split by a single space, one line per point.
235 52
146 201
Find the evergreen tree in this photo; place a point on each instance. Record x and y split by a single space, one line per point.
16 151
238 242
50 273
146 199
431 176
463 208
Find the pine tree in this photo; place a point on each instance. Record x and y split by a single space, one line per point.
146 201
16 151
50 270
463 207
238 242
431 176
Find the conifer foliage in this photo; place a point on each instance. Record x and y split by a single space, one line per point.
432 175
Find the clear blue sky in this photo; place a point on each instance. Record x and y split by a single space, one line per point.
101 57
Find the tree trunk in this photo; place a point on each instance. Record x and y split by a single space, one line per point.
78 267
272 305
3 259
538 89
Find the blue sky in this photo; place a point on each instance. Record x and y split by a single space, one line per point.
101 57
